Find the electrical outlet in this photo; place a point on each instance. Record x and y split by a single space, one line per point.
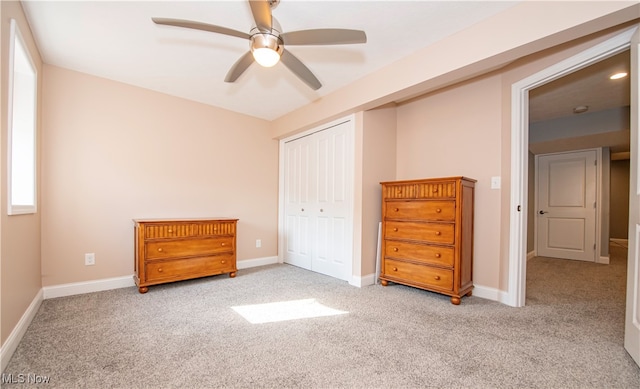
258 243
89 259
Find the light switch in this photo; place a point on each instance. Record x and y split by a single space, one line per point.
495 182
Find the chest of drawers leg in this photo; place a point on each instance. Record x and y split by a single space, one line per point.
171 250
427 235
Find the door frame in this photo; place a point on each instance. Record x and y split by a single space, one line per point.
515 295
281 187
600 201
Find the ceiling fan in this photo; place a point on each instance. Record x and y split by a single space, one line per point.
267 41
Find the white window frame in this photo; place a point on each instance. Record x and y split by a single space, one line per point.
24 204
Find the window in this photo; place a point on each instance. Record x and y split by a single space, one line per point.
21 151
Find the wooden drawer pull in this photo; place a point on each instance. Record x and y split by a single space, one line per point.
437 232
437 255
395 230
159 270
169 230
438 210
437 278
222 261
395 269
395 249
222 244
396 209
159 248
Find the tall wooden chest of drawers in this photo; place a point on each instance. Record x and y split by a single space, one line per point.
168 250
427 230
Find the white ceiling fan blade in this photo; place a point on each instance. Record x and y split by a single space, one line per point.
261 14
239 67
300 70
324 36
201 26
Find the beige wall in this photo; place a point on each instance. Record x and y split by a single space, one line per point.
456 132
114 152
20 234
379 164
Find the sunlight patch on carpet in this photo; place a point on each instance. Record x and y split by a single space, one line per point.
285 310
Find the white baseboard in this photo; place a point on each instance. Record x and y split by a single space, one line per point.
490 293
87 287
11 344
360 281
531 254
248 263
125 281
603 260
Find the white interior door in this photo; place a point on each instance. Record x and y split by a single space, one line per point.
632 316
298 203
567 205
318 221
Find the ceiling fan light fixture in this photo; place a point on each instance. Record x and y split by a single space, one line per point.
266 49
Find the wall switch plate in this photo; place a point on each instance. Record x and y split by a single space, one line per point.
89 259
258 243
495 182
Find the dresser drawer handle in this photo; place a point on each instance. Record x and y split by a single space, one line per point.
222 244
435 190
395 249
437 278
437 232
395 230
159 248
395 269
169 230
396 209
438 210
159 270
437 255
222 262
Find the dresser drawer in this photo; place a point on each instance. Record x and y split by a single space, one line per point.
425 275
421 210
426 232
178 269
182 248
188 230
436 190
399 191
436 255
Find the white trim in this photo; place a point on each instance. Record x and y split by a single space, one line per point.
488 293
519 148
603 260
531 254
256 262
12 342
360 281
83 287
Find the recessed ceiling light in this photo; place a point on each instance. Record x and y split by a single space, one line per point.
618 75
581 109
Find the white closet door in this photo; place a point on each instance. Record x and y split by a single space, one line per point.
297 223
318 222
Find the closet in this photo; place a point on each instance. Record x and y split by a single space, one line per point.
317 199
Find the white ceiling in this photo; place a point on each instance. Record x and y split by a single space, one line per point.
118 41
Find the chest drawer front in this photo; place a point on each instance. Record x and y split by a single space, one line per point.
425 275
187 230
426 232
436 189
189 267
421 210
436 255
399 191
182 248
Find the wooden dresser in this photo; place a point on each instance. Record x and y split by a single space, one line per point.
427 229
168 250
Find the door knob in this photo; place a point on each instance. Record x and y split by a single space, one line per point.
543 212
